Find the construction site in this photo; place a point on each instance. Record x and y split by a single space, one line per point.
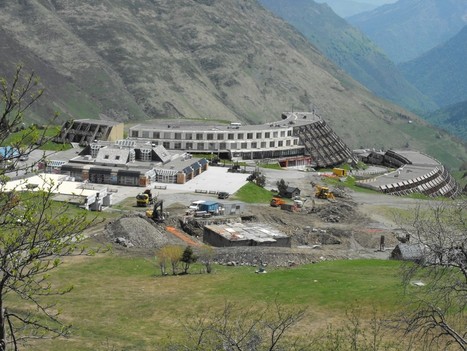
168 197
324 224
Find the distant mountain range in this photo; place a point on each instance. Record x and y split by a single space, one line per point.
351 50
408 28
441 73
226 60
346 8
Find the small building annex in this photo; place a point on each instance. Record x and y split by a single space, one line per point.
244 234
128 162
86 131
87 196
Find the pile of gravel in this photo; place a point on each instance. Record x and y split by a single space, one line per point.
139 232
334 212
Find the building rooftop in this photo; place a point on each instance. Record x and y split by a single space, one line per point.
97 121
56 183
417 158
406 173
239 231
289 119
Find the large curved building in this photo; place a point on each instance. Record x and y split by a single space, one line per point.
415 173
298 138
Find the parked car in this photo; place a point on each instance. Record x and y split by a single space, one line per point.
24 157
223 195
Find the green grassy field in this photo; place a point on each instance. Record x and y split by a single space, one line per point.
120 302
252 193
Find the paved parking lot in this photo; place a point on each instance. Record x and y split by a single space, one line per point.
215 179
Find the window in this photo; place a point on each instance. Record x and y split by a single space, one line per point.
287 142
272 144
220 136
166 144
134 133
282 133
289 133
200 146
145 134
222 146
156 135
178 136
233 146
267 135
263 144
275 134
106 157
210 136
254 145
117 157
280 143
189 146
244 146
249 136
167 135
188 136
199 136
177 146
240 136
259 135
231 136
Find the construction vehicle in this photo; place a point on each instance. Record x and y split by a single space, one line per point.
299 203
323 192
144 199
339 172
194 206
277 202
157 214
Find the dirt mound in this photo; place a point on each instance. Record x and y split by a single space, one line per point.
335 212
137 231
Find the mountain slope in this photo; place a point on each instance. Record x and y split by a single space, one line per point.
452 118
230 60
408 28
346 8
350 50
441 73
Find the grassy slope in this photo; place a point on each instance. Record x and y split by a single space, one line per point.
120 299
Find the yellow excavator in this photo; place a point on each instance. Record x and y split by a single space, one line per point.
145 199
157 214
323 192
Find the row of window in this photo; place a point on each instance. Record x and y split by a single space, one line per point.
224 146
210 136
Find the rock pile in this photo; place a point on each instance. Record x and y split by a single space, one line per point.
335 212
139 232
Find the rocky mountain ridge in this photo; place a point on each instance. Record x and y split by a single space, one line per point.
409 28
351 50
226 60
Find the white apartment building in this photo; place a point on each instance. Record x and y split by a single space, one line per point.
297 135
